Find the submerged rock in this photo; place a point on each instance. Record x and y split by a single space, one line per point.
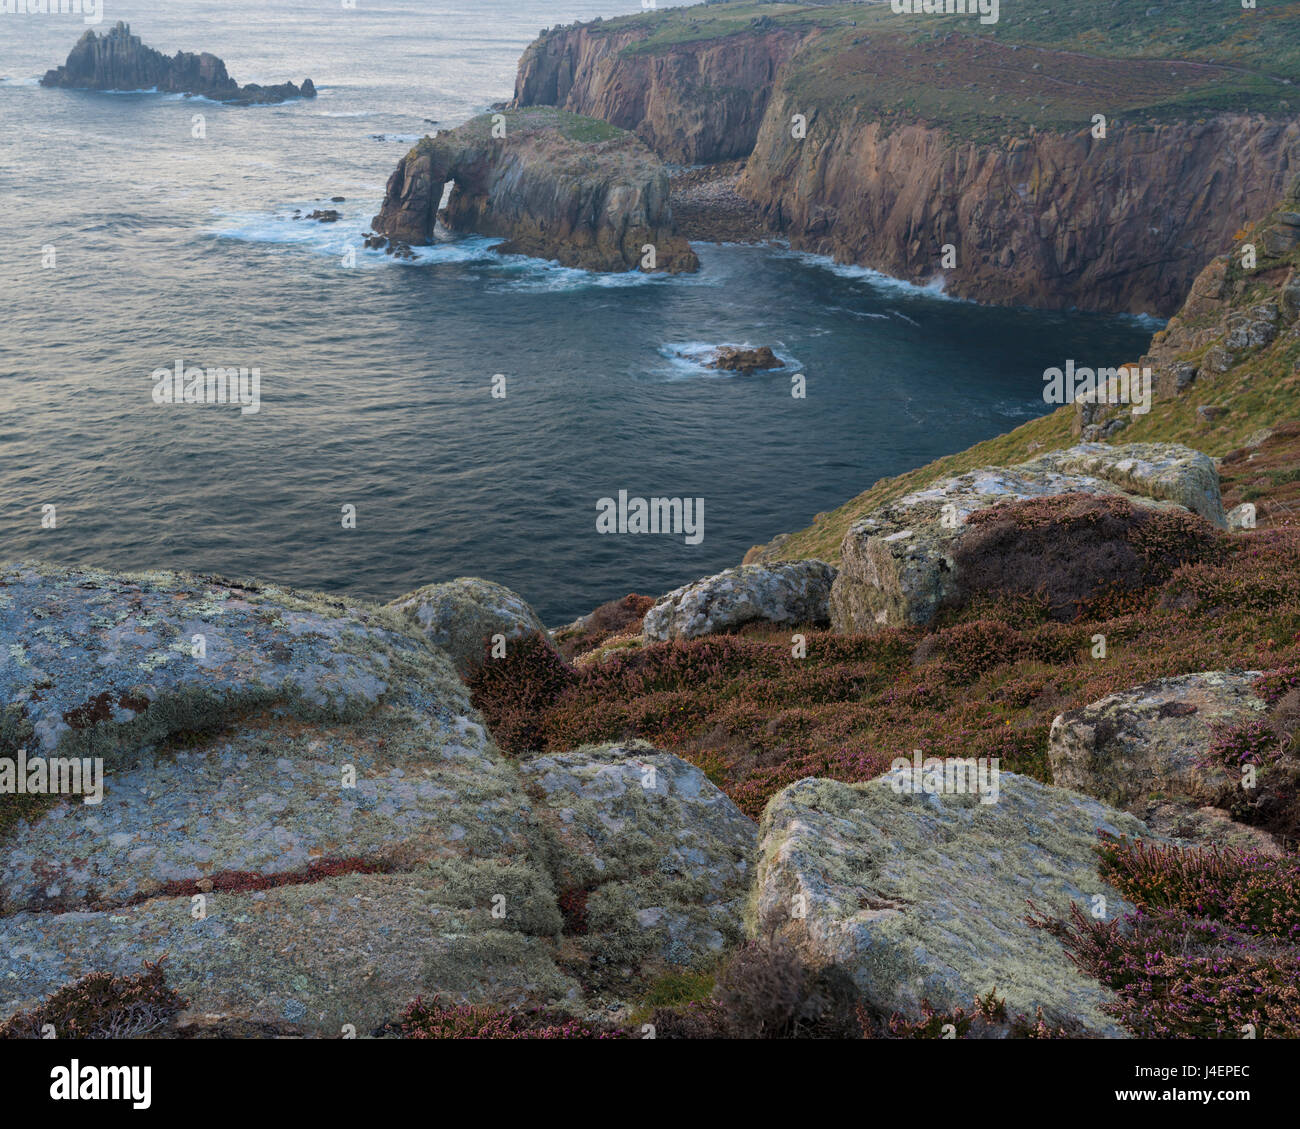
923 897
461 616
737 358
899 564
553 185
118 60
797 592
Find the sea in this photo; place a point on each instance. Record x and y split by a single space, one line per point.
140 230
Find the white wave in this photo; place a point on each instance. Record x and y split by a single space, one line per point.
346 113
1018 409
548 276
404 138
686 360
335 239
1146 321
874 278
20 82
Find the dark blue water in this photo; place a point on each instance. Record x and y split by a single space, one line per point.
376 378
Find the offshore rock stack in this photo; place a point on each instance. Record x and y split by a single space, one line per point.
118 60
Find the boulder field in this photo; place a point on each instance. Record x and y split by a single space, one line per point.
302 811
551 184
304 818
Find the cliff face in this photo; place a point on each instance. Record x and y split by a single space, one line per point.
555 186
1053 220
119 60
692 103
1047 217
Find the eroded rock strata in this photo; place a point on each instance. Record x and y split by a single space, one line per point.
1045 215
118 60
552 185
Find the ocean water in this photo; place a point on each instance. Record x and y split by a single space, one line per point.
376 377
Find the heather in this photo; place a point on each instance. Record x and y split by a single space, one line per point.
101 1006
1209 951
1262 762
1248 893
986 1018
436 1019
985 679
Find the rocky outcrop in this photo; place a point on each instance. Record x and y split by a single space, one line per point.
900 564
1051 217
924 896
651 861
302 810
461 616
1234 314
1152 740
738 358
691 102
553 186
793 593
118 60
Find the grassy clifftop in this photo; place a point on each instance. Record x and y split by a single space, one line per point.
1049 68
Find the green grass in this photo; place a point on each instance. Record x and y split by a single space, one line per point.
982 82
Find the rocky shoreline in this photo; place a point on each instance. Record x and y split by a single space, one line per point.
708 207
1038 210
324 778
553 185
1014 753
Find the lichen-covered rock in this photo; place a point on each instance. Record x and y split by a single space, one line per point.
1151 741
797 592
310 768
1207 828
924 896
653 863
1242 516
898 564
98 662
461 616
553 185
309 819
1165 472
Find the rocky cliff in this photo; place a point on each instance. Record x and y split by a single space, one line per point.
554 185
698 102
997 154
119 60
1050 219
